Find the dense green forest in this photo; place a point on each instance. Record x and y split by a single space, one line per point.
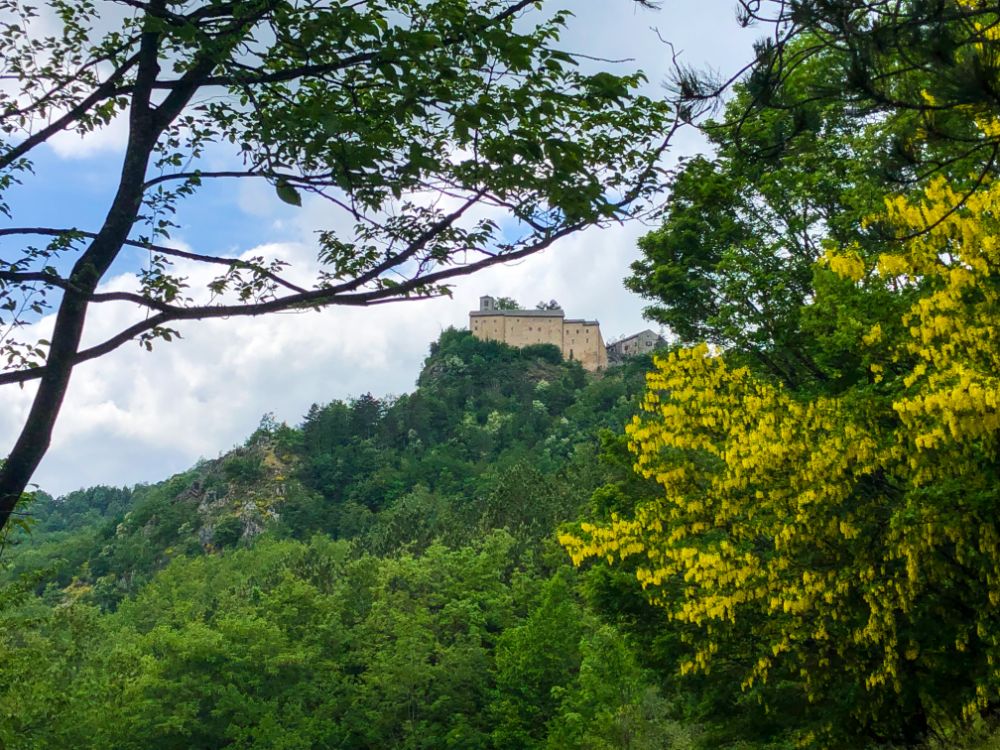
822 544
385 574
782 532
382 575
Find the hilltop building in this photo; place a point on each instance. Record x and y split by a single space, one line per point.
638 343
577 339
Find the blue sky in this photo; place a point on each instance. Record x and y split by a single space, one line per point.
75 191
135 416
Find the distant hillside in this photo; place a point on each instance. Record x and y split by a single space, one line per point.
492 437
383 575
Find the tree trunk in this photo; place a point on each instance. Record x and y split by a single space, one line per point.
33 442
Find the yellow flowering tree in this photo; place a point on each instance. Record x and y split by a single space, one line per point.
842 544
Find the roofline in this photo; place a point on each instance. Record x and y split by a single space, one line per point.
635 336
518 313
532 314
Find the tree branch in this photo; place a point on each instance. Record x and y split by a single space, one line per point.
106 90
394 261
235 263
321 69
314 299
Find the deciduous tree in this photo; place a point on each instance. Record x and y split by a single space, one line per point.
845 542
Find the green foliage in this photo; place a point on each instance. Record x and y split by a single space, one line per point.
442 617
295 645
547 352
732 263
811 562
532 660
244 468
611 704
922 72
227 532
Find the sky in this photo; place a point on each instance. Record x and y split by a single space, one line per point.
135 416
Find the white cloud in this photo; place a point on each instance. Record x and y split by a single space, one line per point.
109 139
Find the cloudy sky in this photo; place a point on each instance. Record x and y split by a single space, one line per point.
135 416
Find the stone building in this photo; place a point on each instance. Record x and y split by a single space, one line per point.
638 343
577 339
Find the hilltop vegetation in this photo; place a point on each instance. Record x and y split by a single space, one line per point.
382 575
493 437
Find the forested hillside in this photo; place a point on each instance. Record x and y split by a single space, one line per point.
382 575
781 533
386 575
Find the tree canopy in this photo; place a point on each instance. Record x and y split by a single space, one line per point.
919 67
380 576
824 438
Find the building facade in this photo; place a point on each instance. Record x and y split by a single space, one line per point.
577 339
643 342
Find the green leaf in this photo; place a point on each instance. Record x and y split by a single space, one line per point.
287 193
